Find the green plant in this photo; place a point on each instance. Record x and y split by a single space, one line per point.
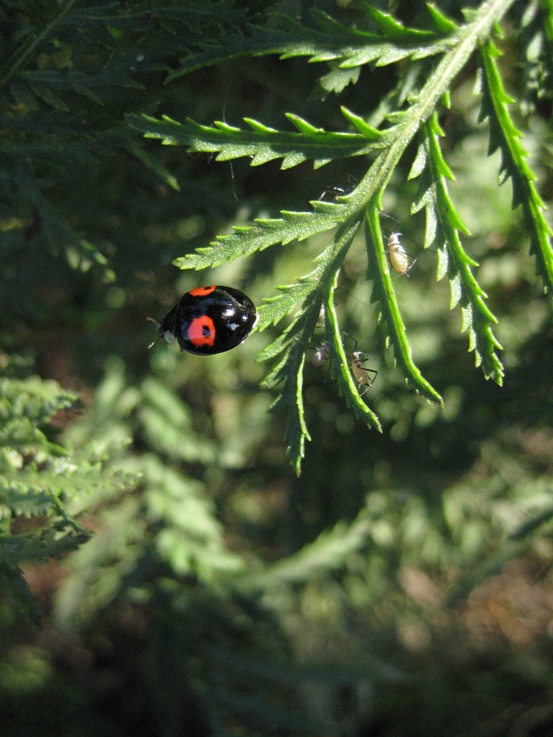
43 485
219 594
433 54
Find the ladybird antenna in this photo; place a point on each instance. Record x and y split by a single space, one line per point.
157 322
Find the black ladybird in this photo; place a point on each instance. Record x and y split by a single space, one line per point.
209 320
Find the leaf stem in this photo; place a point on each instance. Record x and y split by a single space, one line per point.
389 308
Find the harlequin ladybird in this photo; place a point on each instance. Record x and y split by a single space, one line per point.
209 320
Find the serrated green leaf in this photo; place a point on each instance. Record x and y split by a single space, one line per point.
339 77
42 545
36 400
350 47
442 22
384 295
46 94
464 288
275 308
341 368
16 588
394 30
294 343
420 101
24 501
247 240
505 136
262 144
361 125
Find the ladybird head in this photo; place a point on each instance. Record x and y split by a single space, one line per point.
166 335
162 332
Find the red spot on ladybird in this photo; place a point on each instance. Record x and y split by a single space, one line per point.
201 331
202 291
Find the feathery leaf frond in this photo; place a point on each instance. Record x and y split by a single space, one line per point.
262 144
443 227
506 137
331 41
445 48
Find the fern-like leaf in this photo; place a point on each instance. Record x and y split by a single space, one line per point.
418 98
329 551
262 144
389 313
315 289
505 136
293 344
16 588
341 368
44 480
275 308
265 233
39 547
331 41
443 227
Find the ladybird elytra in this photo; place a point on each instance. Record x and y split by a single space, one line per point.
202 291
201 331
209 320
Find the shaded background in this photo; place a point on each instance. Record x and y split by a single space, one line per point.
392 589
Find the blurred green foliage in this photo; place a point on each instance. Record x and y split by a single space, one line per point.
402 584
